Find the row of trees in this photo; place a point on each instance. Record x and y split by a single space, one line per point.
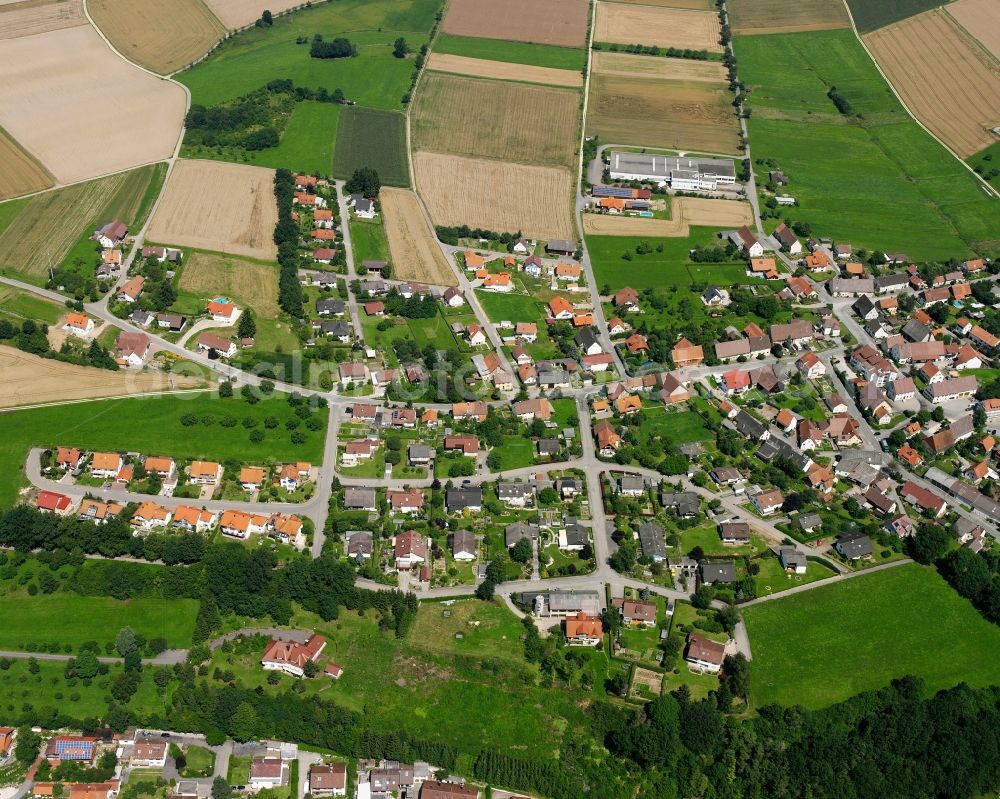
286 236
33 337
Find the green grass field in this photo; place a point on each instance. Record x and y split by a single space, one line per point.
871 14
49 688
539 55
368 239
17 305
375 78
875 180
672 267
200 762
374 139
151 425
9 211
72 619
825 645
986 160
516 453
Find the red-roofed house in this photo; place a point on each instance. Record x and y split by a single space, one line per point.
290 656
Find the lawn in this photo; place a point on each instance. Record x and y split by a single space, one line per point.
772 578
200 762
903 191
375 78
368 239
239 769
707 537
152 425
305 146
825 645
681 427
49 688
377 139
986 161
9 211
516 452
539 55
72 619
669 267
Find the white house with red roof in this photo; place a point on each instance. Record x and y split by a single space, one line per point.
291 657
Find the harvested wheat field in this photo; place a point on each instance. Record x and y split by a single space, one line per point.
19 172
562 22
694 5
782 16
943 76
31 380
657 26
503 70
28 17
495 195
249 283
487 119
217 206
981 18
414 250
163 37
641 66
80 109
51 223
686 115
685 211
240 13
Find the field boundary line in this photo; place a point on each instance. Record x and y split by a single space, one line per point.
443 11
854 28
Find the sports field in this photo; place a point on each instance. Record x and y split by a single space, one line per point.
657 26
219 207
375 78
495 195
163 37
559 22
539 55
19 172
677 114
370 138
56 101
513 122
153 424
981 18
503 70
944 77
780 16
49 224
825 645
414 250
72 619
883 184
249 283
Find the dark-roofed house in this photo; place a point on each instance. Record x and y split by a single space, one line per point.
792 560
359 544
734 533
854 546
915 331
463 545
515 532
459 499
687 503
715 572
652 541
359 498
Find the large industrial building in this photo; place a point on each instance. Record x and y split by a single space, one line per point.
682 174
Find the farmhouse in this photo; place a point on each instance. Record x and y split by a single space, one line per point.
583 630
131 349
111 234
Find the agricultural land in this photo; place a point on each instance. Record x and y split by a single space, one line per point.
923 202
371 138
657 26
495 195
31 380
694 5
512 122
19 172
251 284
685 113
219 207
375 78
163 37
807 650
871 14
684 212
943 76
539 55
414 250
17 305
559 22
29 18
981 18
55 102
240 13
47 226
778 16
503 70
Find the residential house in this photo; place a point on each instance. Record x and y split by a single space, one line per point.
410 549
328 779
854 546
461 499
584 630
704 654
131 348
810 365
685 353
734 533
768 502
360 498
463 545
222 347
410 500
291 658
131 289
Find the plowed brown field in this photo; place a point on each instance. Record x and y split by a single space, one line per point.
28 17
685 211
662 27
503 70
943 76
239 13
562 22
415 252
783 16
495 195
216 206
